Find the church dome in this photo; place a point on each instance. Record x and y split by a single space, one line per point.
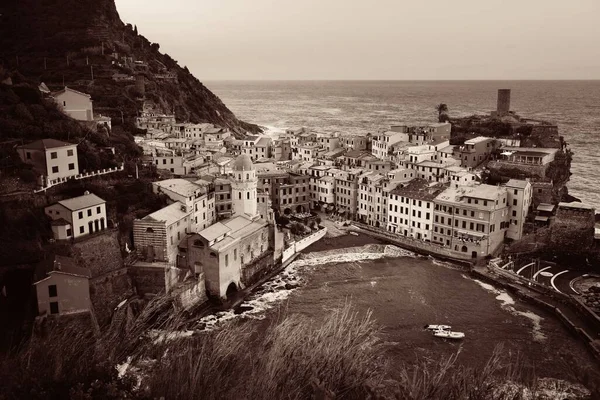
243 163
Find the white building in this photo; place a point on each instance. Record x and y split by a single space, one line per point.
78 216
410 209
382 143
199 199
243 187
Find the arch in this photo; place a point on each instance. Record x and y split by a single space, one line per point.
464 249
102 223
231 290
473 254
149 230
300 208
198 243
213 254
287 211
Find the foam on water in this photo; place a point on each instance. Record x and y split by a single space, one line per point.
507 304
291 278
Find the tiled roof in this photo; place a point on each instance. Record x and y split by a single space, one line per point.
169 214
81 202
46 144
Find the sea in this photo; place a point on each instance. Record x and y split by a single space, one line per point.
403 290
367 106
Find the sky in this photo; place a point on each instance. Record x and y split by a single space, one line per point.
374 39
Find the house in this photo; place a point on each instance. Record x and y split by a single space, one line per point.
62 287
354 142
157 235
75 104
382 143
78 216
53 159
292 195
477 150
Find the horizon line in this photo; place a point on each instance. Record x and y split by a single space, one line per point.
397 80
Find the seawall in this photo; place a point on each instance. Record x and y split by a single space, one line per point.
558 305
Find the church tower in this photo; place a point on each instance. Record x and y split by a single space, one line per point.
243 187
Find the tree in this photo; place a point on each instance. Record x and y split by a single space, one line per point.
442 110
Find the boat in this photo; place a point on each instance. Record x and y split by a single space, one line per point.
438 327
448 334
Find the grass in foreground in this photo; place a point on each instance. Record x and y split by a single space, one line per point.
295 358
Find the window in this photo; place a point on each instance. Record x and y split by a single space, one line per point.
514 202
69 153
55 169
226 260
71 166
69 232
81 229
28 155
54 307
89 212
53 155
514 213
52 291
234 254
80 214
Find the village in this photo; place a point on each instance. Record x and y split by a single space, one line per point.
241 209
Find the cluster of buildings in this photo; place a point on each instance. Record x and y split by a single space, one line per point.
225 194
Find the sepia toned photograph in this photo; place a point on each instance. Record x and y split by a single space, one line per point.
299 200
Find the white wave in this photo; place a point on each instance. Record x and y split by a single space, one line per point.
289 280
273 131
507 304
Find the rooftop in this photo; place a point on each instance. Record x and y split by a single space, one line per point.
60 264
214 231
545 207
517 183
179 186
419 189
81 202
46 144
263 142
485 192
478 139
169 214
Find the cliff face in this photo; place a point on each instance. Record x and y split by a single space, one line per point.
65 41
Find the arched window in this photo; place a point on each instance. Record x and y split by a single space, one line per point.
198 243
247 176
213 254
240 195
149 230
248 195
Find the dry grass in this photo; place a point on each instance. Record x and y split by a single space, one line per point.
291 358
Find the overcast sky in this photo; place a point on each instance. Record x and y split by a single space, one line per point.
374 39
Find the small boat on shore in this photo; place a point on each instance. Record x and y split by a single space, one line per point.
448 334
437 327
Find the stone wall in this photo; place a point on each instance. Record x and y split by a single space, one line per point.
517 171
107 291
191 293
147 279
100 253
259 268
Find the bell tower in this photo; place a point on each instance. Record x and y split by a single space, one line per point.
244 187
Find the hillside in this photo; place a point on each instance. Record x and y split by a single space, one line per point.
64 42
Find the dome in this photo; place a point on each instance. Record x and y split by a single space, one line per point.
243 163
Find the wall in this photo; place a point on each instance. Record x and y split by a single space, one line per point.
147 278
77 106
191 293
107 291
62 161
302 244
150 245
258 269
100 253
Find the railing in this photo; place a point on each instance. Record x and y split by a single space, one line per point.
54 182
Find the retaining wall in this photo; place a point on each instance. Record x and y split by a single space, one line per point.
302 244
108 290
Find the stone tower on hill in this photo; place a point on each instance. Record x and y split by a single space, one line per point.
244 187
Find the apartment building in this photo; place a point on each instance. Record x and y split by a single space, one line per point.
471 219
410 209
520 196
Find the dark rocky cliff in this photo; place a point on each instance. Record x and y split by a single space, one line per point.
63 41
